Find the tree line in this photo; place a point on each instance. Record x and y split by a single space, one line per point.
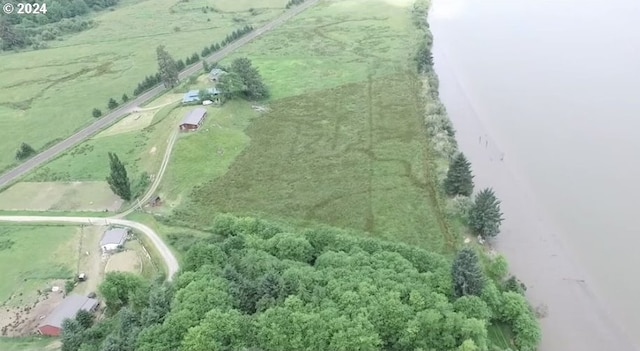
292 3
168 68
62 16
481 213
253 285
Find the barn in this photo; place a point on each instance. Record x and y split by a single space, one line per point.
193 120
68 308
113 239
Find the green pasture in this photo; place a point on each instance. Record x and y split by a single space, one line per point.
333 43
29 344
355 160
47 94
32 256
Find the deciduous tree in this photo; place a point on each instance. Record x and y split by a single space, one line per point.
459 179
118 179
254 88
25 151
112 104
230 85
119 288
485 217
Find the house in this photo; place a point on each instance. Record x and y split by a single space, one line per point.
215 74
193 120
191 96
68 308
113 239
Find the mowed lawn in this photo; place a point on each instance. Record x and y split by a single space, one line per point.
59 196
32 256
47 94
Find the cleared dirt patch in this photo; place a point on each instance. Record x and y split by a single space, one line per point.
61 196
141 117
125 261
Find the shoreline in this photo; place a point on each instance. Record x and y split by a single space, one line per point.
537 252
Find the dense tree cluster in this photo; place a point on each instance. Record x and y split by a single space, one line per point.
255 286
243 79
62 16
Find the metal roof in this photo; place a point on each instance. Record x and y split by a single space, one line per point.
216 72
191 96
114 236
194 116
68 308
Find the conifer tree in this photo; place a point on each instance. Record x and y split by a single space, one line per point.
459 179
118 179
467 276
167 67
485 217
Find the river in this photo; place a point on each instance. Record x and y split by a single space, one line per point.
552 86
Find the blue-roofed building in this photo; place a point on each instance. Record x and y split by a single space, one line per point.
191 96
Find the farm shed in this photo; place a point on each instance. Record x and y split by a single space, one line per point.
193 120
113 239
191 96
215 74
52 324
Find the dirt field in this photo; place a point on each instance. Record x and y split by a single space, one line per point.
23 320
141 118
61 196
130 123
126 261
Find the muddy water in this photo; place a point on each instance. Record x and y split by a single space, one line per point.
553 87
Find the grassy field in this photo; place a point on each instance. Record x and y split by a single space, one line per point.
140 148
343 142
59 196
47 94
29 344
207 154
32 256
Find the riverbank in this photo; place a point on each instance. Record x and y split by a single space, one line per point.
536 250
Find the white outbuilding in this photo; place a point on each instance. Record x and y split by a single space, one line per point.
113 239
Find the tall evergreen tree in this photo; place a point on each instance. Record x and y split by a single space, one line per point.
118 179
467 276
167 67
485 217
459 179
